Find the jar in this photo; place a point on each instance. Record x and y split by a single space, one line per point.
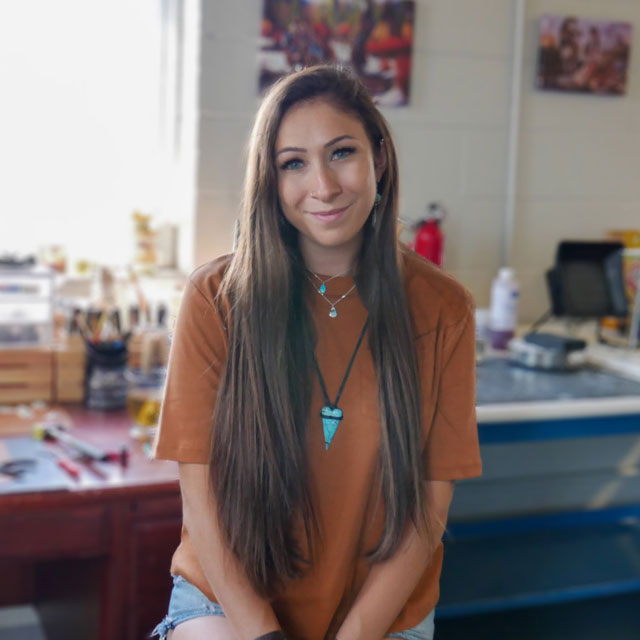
144 399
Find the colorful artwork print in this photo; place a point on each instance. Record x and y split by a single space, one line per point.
374 37
583 55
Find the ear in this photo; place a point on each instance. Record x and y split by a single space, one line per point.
380 161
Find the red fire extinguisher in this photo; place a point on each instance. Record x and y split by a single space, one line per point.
429 239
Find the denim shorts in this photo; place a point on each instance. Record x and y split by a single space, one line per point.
187 601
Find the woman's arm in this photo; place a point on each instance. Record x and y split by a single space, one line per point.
250 615
389 584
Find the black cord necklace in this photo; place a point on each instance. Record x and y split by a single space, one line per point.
331 414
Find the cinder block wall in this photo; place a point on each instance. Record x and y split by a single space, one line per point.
578 155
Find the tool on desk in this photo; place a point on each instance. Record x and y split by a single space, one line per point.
67 465
29 466
16 468
586 283
86 450
548 351
94 469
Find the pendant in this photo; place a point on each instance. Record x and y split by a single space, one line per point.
323 288
331 417
333 313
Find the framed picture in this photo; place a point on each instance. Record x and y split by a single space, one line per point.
375 37
581 55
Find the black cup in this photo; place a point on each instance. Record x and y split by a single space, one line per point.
105 383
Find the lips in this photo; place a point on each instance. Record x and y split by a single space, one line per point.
329 215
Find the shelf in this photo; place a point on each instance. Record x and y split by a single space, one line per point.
535 568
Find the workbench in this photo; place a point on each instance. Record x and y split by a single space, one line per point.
555 517
94 557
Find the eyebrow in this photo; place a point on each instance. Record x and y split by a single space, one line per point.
330 143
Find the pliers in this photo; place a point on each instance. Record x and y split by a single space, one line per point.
16 468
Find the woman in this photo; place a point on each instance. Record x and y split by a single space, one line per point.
320 393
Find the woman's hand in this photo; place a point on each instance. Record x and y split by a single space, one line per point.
389 584
249 615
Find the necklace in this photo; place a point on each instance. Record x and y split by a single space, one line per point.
323 283
331 414
333 313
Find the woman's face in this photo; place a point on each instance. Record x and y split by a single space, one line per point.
327 177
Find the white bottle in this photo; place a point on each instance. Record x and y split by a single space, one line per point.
505 293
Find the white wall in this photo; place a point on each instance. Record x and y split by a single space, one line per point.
578 160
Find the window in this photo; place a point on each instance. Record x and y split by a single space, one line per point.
83 123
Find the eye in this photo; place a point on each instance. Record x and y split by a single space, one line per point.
292 164
343 152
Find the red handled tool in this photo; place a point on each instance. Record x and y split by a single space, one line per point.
86 450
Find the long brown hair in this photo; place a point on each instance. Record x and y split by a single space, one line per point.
259 453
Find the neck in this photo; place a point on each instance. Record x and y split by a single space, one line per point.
331 261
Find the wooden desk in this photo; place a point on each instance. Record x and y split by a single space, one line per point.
95 559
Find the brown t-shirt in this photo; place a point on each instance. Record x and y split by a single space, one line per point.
342 477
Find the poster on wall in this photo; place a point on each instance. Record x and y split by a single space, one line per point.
587 56
374 37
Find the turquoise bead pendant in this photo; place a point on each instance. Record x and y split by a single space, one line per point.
331 417
333 313
322 288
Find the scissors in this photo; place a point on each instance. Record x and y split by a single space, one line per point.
16 468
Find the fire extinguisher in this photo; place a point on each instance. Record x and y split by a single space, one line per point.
429 239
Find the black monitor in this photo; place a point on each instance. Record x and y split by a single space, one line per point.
587 280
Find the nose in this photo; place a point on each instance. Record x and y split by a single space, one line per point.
325 185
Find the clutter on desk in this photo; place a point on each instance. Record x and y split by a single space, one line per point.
16 468
98 354
146 379
105 384
548 351
79 366
53 256
27 466
51 456
50 431
503 320
144 399
154 246
586 283
629 326
144 256
19 419
26 306
14 260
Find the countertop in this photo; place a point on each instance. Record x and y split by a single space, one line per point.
609 384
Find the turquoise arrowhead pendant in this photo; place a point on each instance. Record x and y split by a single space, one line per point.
331 417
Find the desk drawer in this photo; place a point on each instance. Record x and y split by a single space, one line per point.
157 507
63 532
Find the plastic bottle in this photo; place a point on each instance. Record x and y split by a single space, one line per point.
505 292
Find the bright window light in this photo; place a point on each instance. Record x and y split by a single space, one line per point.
80 144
